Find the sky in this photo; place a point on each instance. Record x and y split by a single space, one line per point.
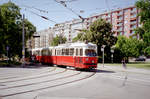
33 9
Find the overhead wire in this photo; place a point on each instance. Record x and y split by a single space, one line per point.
44 11
64 4
46 18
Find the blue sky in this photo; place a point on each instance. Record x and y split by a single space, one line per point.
59 14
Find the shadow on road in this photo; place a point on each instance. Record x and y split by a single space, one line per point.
98 71
103 71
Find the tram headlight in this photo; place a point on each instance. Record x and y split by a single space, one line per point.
92 61
87 59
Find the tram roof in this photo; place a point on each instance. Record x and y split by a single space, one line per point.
69 45
76 44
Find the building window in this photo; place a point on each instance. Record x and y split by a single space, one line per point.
133 26
120 18
132 32
126 11
133 9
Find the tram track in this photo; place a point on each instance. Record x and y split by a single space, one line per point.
12 77
37 76
40 82
52 86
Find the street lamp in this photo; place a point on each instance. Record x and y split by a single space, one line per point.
102 49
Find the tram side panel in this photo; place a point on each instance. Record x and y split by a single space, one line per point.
78 62
67 60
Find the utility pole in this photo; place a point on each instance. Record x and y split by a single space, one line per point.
23 44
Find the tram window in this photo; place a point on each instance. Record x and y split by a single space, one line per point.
38 53
71 52
47 52
44 52
55 51
50 52
63 51
34 53
90 52
81 52
76 52
59 52
67 51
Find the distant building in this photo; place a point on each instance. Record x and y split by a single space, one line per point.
42 38
123 21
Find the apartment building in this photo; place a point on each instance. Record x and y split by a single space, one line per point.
68 29
123 21
42 38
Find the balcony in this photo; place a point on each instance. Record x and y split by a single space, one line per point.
119 30
119 24
133 10
133 16
132 22
120 18
120 14
132 27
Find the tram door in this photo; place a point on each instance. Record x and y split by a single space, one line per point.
78 57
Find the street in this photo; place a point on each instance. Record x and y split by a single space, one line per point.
60 83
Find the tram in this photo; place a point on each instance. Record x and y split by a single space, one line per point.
78 55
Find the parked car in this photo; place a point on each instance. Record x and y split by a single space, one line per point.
140 59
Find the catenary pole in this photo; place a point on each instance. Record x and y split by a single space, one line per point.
23 44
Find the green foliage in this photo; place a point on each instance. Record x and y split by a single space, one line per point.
144 31
78 37
129 47
82 36
11 29
147 50
139 31
59 39
99 33
144 6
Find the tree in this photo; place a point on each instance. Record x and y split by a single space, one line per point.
100 33
144 31
78 37
11 29
129 47
59 39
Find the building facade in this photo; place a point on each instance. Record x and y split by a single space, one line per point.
42 38
123 21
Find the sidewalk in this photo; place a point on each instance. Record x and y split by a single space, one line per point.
122 69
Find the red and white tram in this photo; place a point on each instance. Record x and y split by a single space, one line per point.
78 55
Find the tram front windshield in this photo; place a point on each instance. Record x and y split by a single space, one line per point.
90 52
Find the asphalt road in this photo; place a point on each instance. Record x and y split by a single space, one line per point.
108 82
